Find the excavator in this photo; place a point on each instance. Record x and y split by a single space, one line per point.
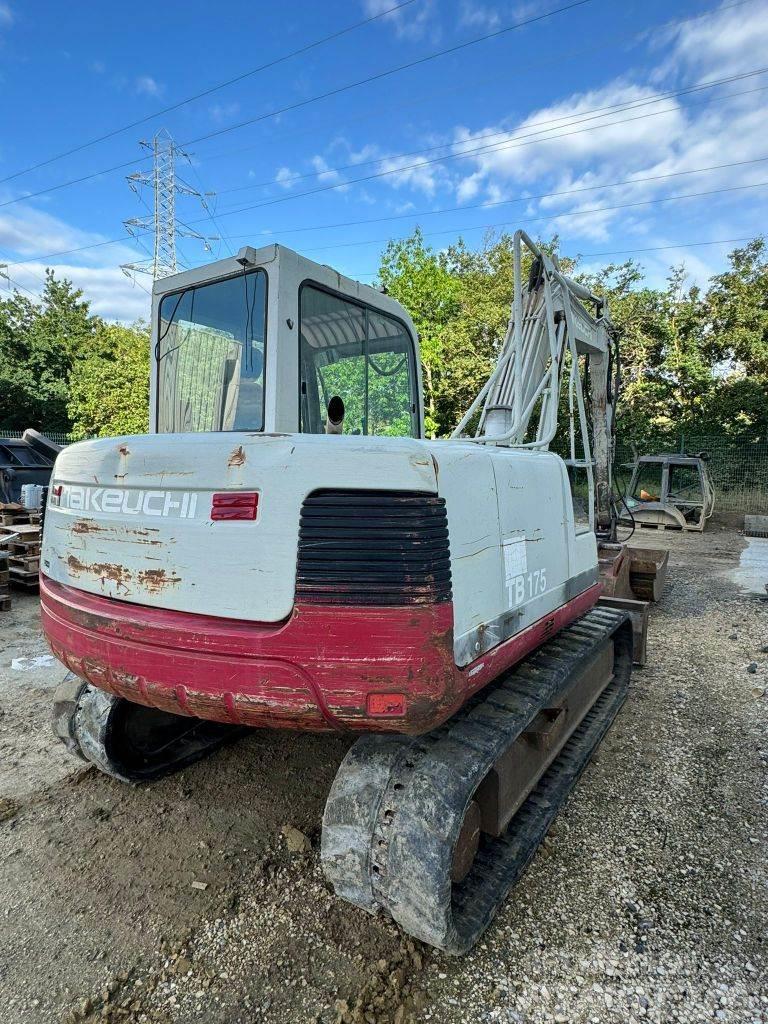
285 549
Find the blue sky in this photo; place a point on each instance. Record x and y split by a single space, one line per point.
572 103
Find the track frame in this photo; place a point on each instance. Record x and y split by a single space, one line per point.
398 804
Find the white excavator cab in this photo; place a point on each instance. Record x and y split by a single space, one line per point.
264 341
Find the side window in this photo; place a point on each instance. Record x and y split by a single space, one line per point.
391 379
685 485
362 356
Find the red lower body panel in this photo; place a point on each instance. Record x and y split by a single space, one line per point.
326 667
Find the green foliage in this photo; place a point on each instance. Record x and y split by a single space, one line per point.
38 344
693 362
109 387
64 370
388 392
421 281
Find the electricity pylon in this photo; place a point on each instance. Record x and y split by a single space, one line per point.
166 185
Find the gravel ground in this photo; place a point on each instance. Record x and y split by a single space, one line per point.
199 900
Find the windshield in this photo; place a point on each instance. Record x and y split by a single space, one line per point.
362 356
210 354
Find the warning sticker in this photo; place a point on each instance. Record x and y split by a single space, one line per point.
515 560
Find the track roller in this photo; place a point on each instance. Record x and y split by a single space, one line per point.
436 829
129 741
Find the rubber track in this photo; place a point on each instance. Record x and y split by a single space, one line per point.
397 803
84 720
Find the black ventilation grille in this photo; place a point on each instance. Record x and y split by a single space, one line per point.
374 548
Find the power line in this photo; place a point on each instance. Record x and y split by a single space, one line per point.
494 147
661 248
414 214
550 216
562 56
130 163
313 99
4 266
563 121
206 199
207 92
391 71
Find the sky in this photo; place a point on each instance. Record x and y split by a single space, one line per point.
590 119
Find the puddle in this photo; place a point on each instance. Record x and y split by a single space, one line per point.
752 570
28 664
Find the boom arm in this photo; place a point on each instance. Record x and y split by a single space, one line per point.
550 316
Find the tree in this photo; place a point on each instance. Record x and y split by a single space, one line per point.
109 387
414 275
737 302
666 374
38 343
692 362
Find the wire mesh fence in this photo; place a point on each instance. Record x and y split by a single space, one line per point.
54 435
738 469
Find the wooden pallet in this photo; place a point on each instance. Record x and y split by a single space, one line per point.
25 580
22 551
5 576
13 514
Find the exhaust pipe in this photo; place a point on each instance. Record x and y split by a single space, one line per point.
334 423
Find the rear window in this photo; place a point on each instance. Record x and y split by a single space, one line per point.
210 356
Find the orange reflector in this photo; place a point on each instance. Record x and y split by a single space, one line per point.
386 705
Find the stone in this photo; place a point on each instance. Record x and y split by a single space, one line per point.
295 841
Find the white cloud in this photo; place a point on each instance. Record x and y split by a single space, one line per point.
110 293
479 16
222 112
410 22
98 67
416 172
397 172
325 173
6 15
285 177
148 86
551 138
30 233
728 43
707 130
412 172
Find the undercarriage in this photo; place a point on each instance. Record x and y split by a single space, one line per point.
433 830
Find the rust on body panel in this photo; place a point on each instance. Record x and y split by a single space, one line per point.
137 535
104 570
237 457
155 579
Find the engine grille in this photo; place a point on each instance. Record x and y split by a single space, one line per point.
374 548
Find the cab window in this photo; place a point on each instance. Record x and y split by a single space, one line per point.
362 356
210 356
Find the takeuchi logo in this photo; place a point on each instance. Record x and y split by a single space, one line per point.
132 502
